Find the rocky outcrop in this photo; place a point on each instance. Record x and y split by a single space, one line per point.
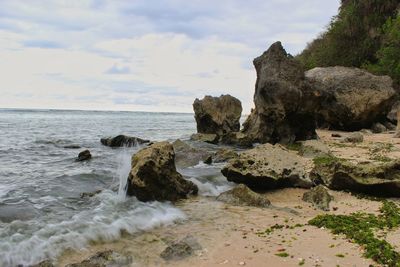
319 197
180 249
223 155
314 148
267 167
123 140
84 155
217 115
379 179
104 259
284 103
188 156
208 138
154 177
244 196
353 98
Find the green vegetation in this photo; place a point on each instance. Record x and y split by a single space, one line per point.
364 34
302 262
361 228
282 254
325 160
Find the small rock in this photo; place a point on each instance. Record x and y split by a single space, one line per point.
356 137
72 147
84 155
319 197
242 263
336 135
106 258
208 138
90 194
123 140
181 249
378 128
46 263
223 155
208 160
244 196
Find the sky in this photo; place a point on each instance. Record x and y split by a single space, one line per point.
144 55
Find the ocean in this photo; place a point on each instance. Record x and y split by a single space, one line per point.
41 210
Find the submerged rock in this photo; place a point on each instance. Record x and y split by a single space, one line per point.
354 98
284 103
181 249
379 179
84 155
187 155
267 167
239 139
244 196
314 148
154 177
106 258
217 115
90 194
208 138
123 140
319 197
46 263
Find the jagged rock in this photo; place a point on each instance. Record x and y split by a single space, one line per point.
46 263
319 197
378 128
217 115
106 258
223 155
84 155
154 177
354 138
90 194
267 167
354 98
379 179
208 138
181 249
123 140
187 155
244 196
314 148
284 102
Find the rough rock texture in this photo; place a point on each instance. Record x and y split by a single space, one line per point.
239 139
123 140
319 197
208 138
217 115
84 155
392 115
154 177
356 137
180 249
266 167
381 179
314 148
106 258
397 134
284 103
244 196
354 98
378 128
223 155
188 156
46 263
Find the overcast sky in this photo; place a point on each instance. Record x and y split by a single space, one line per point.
148 55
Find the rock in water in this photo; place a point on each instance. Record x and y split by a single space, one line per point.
244 196
208 138
154 177
378 179
123 140
217 115
188 156
354 98
284 104
106 258
181 249
46 263
267 167
84 155
223 155
319 197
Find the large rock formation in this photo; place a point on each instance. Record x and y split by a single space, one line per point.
267 167
284 103
353 98
217 115
381 179
154 177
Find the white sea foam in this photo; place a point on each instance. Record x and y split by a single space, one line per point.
29 242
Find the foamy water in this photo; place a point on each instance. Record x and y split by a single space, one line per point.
41 211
